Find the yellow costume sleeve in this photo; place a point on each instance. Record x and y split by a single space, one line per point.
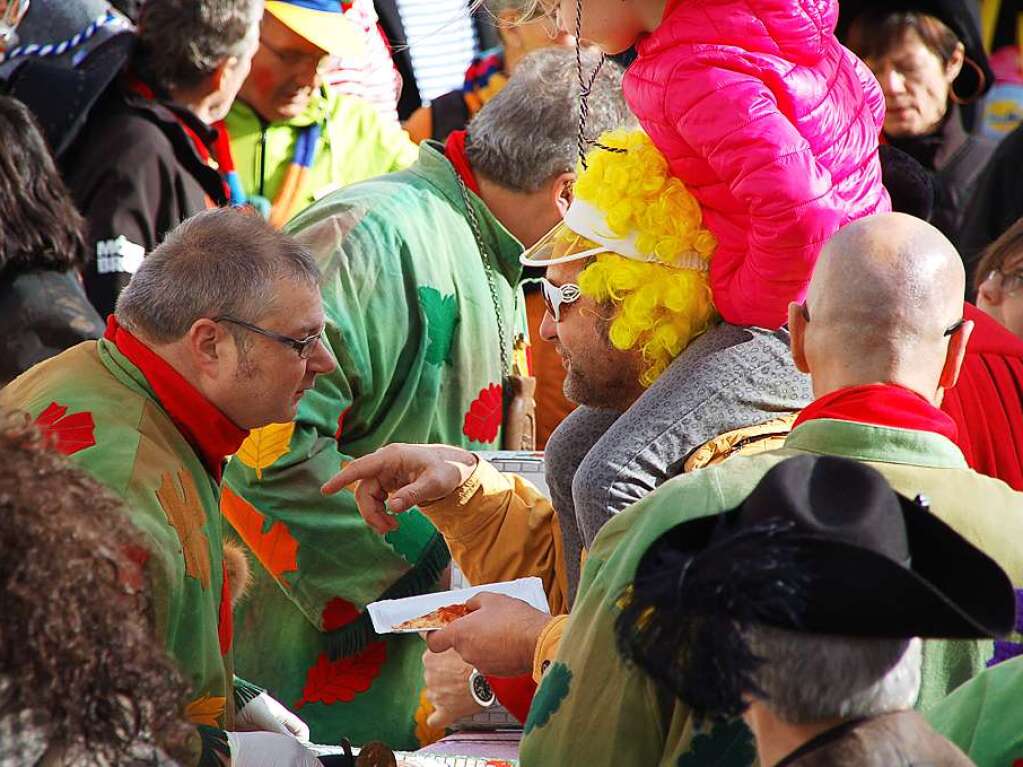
499 527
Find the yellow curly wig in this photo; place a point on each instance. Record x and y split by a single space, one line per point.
660 308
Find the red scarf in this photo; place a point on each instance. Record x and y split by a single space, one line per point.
211 433
882 405
454 150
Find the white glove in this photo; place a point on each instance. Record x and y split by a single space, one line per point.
269 749
265 714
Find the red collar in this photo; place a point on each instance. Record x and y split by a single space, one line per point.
881 404
454 150
211 433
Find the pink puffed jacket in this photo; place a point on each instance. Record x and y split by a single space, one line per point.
773 126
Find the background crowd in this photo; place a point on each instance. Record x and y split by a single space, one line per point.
276 276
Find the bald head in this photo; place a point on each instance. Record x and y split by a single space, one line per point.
884 291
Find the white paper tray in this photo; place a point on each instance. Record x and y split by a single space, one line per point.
390 612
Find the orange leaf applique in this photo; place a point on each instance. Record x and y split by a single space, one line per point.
185 513
483 419
265 445
67 433
276 549
339 681
208 710
425 733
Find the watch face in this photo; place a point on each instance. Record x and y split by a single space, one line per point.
481 691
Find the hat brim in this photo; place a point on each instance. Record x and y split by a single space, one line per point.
330 32
950 589
550 249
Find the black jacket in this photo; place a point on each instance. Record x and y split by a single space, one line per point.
390 21
956 158
997 202
45 312
135 174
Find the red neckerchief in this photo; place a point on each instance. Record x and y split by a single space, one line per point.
211 433
881 404
454 150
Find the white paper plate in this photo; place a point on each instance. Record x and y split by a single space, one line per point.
390 612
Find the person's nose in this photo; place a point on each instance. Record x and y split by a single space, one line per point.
892 81
322 360
990 290
548 327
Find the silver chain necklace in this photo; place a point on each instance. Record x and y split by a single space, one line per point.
488 268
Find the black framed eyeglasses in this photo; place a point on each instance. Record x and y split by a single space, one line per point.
303 346
556 296
950 330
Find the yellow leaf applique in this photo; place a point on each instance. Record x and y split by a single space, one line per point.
426 734
208 710
185 513
265 445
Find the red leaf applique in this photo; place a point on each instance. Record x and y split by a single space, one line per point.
225 617
341 423
337 613
68 433
341 680
483 420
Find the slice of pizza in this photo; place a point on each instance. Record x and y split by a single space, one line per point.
437 619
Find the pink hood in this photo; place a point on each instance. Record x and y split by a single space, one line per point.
773 126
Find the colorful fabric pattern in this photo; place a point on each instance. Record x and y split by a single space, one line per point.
102 413
411 323
338 140
644 727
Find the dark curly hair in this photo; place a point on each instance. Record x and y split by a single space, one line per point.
41 227
75 630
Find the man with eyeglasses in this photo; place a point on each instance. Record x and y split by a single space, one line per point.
200 351
294 140
425 313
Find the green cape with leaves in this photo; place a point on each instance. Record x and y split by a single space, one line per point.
411 322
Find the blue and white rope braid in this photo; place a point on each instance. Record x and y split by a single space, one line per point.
108 19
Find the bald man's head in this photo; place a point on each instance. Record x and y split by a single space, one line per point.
885 290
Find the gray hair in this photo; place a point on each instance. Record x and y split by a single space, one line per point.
219 262
528 132
182 42
808 677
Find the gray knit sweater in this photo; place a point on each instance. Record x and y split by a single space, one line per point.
599 462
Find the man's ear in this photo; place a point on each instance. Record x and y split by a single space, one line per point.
222 73
561 191
204 342
954 356
797 336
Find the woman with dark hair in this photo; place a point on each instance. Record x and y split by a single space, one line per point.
43 308
82 680
999 279
927 56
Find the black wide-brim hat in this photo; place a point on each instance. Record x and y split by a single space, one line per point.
955 14
867 561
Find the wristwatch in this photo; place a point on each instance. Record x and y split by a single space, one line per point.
480 690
